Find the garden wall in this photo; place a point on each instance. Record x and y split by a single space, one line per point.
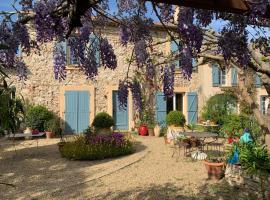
235 176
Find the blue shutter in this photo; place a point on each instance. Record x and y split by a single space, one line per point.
192 107
174 49
161 109
215 75
71 111
194 63
257 81
83 110
63 44
234 76
95 42
120 115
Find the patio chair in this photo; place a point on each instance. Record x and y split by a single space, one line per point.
178 145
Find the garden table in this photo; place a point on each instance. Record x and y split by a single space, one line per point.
201 136
13 137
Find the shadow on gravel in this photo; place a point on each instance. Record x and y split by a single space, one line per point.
209 191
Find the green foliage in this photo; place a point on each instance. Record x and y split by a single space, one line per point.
103 120
163 131
235 124
218 107
53 125
11 108
175 118
148 118
89 130
36 117
80 149
254 159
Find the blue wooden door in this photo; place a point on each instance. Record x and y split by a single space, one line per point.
76 111
192 107
120 115
83 111
161 109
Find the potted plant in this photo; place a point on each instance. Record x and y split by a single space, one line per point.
103 123
36 116
229 135
214 166
175 119
151 129
51 127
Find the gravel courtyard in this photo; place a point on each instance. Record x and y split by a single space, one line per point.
150 173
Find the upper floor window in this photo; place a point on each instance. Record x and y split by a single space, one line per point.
175 50
264 102
71 58
222 76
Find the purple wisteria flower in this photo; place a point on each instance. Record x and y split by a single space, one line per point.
108 57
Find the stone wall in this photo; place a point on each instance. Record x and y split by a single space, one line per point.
235 176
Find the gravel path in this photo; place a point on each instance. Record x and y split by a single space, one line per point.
150 173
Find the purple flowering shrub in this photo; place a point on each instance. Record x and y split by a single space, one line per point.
96 147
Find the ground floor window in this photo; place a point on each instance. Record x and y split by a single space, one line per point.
175 102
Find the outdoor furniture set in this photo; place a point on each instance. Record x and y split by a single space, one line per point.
195 143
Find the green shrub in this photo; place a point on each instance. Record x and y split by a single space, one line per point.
235 124
36 116
96 148
163 131
218 107
89 130
103 120
52 125
175 118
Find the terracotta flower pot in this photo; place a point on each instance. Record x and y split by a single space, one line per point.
151 132
49 134
214 170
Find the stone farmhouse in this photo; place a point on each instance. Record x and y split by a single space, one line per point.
77 100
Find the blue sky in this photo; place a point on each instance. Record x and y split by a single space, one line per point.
5 5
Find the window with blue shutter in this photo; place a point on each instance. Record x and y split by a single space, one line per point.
234 76
257 81
161 109
63 45
215 75
95 42
194 64
192 109
175 50
71 59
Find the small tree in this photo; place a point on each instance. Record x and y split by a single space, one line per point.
218 107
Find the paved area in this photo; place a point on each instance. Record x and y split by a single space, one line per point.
150 173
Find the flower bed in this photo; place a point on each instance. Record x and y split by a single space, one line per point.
96 147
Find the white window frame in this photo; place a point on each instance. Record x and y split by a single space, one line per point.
222 77
265 103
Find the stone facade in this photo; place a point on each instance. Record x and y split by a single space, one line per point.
41 87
